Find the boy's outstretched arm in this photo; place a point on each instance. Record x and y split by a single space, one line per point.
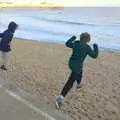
1 35
69 43
93 52
10 38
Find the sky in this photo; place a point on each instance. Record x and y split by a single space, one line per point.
71 2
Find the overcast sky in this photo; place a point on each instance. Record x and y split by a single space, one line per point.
72 2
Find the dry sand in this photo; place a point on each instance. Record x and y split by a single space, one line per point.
41 69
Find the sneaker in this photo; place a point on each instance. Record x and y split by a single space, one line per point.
3 67
78 86
58 102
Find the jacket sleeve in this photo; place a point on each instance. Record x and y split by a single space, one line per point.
10 38
1 35
70 42
92 52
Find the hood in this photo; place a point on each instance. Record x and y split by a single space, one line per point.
12 27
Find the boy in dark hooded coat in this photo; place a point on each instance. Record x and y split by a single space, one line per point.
6 39
80 50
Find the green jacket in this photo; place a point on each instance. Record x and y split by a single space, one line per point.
80 51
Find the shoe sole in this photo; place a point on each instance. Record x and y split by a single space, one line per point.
78 89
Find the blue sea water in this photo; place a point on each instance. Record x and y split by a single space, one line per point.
58 25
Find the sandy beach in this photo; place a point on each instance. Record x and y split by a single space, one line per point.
41 69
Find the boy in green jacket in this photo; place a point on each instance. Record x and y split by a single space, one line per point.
80 50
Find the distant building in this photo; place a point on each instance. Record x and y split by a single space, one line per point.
26 3
6 1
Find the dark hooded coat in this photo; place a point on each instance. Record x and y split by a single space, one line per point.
6 37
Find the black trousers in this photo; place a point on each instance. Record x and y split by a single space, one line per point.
73 77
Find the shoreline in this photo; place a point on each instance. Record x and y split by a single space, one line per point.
58 6
63 43
26 7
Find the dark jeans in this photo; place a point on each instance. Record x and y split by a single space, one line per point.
73 77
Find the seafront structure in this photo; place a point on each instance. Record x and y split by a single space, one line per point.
27 3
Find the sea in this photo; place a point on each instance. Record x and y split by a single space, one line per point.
57 25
